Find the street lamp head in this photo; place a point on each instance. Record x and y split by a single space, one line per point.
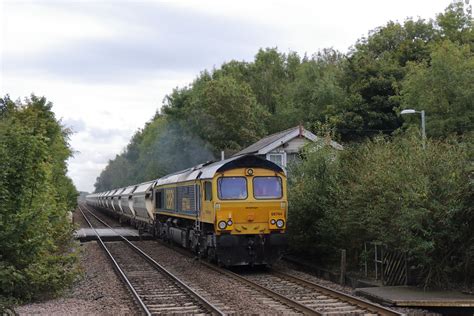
408 111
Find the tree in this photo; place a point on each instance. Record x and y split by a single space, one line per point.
373 72
444 88
35 198
455 24
226 114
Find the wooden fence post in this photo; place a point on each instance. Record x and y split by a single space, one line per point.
343 267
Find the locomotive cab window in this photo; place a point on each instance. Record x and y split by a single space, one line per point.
208 191
267 188
232 188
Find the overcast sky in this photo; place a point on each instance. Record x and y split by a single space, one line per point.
107 65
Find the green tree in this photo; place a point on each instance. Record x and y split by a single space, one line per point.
316 91
36 195
373 72
444 88
455 24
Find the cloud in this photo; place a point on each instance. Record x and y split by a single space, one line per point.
76 125
101 135
151 39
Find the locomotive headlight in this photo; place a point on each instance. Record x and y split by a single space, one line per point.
229 222
222 224
280 223
272 222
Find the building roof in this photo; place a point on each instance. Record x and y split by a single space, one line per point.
267 144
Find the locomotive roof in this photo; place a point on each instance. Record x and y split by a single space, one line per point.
203 171
208 170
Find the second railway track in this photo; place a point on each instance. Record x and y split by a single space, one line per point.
154 288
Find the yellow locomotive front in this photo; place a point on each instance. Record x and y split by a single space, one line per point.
250 208
232 211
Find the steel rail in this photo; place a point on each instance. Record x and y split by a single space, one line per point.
363 304
117 267
213 309
285 300
371 307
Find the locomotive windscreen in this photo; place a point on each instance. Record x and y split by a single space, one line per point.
232 188
267 187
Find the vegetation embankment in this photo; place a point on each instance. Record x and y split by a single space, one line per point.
36 259
415 201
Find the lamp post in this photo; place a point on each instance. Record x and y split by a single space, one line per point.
423 124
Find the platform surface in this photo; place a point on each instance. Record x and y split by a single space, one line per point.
107 233
408 296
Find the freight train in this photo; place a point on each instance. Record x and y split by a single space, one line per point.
232 211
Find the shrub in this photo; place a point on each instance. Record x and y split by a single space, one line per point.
35 197
393 191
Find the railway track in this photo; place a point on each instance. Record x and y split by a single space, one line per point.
304 296
154 288
298 296
323 300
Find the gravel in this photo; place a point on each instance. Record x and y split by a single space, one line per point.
293 269
105 216
229 295
78 219
98 292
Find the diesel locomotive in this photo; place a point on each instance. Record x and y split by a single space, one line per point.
232 211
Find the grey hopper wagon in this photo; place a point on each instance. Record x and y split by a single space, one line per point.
116 200
126 201
143 202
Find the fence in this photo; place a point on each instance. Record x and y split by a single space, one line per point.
385 265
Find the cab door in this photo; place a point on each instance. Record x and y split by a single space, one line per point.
207 210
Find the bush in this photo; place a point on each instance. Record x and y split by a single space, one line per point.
413 200
35 197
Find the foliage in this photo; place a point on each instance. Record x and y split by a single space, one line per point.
413 200
159 149
35 198
444 89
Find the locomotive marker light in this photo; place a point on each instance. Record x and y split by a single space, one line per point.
273 222
229 222
423 123
280 223
250 172
222 225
